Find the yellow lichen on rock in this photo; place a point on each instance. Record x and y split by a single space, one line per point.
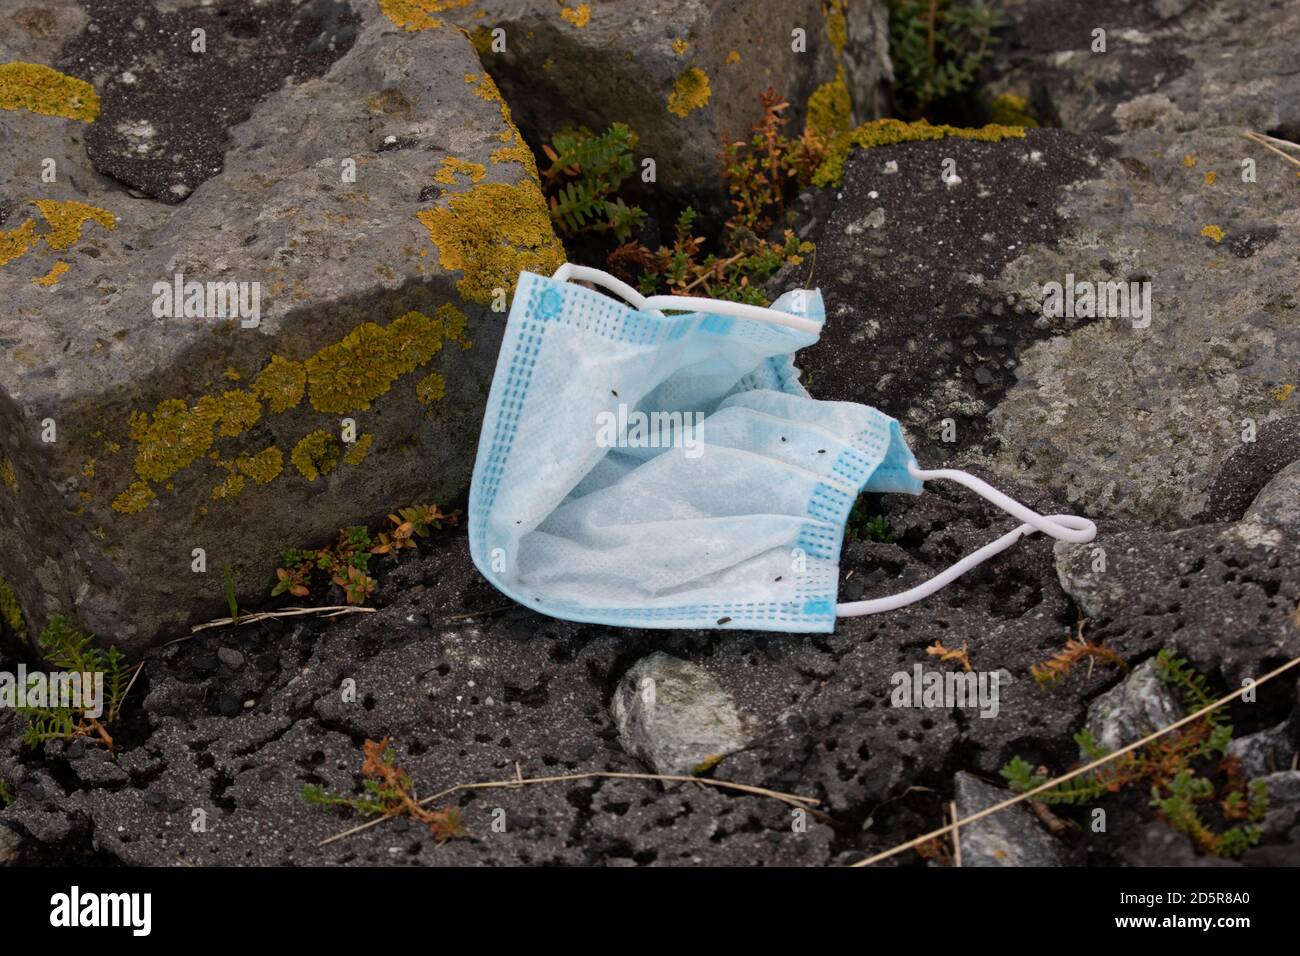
10 611
52 277
690 92
830 109
680 46
42 89
281 384
8 477
492 233
316 454
418 14
66 219
18 242
1213 232
177 435
349 375
263 467
230 488
134 500
836 24
360 448
888 132
515 150
431 389
451 165
579 16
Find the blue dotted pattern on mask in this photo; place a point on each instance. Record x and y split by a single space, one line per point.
879 448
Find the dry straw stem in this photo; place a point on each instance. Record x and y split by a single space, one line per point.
794 800
1266 141
1019 798
334 611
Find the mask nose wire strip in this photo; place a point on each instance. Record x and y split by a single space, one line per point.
1070 528
684 303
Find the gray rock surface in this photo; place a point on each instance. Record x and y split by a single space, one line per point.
646 64
675 715
1010 837
1139 705
1267 751
180 433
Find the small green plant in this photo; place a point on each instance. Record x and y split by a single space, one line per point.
6 795
388 792
229 581
584 177
71 650
1168 766
937 47
864 526
347 562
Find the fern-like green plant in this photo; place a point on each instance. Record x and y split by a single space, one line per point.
584 176
937 48
70 649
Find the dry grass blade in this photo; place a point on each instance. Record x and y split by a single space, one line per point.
334 611
1087 768
791 799
1267 142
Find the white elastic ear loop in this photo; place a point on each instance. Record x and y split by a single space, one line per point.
1070 528
685 303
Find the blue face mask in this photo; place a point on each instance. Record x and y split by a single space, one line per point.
646 469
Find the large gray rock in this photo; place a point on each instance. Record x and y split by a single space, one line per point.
675 715
1010 837
1265 752
1134 419
681 74
1176 63
173 434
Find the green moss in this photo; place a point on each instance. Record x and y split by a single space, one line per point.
36 87
836 24
134 500
492 233
10 611
281 384
1007 109
359 450
690 92
830 109
264 467
887 132
349 375
316 454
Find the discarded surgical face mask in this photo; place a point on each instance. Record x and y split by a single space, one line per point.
646 466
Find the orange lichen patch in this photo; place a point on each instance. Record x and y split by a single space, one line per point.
579 16
418 14
451 165
281 384
66 219
53 276
177 435
733 56
491 234
1189 160
1213 232
18 242
41 89
515 150
680 46
1210 177
690 92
